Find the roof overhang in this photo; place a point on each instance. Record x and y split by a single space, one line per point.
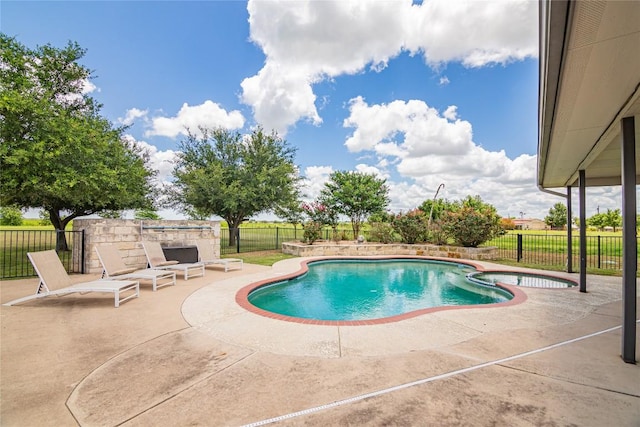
589 81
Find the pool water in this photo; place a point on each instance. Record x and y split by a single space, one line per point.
373 289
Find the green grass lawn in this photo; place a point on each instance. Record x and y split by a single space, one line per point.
15 242
556 242
267 258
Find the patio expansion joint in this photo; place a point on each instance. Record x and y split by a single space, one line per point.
566 380
461 324
189 387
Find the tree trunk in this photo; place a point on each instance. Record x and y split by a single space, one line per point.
59 225
355 226
234 225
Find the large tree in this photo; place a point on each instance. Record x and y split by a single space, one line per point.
356 195
224 173
57 153
557 217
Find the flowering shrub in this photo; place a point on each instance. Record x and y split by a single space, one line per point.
381 232
471 226
312 231
316 211
437 235
322 214
412 226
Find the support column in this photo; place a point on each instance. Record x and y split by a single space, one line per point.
583 230
629 236
569 233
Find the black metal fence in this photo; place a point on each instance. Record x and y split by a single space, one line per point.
16 243
238 240
269 239
603 252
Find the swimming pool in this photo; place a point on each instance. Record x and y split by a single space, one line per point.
368 289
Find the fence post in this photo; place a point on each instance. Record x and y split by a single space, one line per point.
82 253
277 230
59 240
519 248
238 240
598 251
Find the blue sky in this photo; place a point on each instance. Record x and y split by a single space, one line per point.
421 94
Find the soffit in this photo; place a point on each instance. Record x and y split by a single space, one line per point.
597 83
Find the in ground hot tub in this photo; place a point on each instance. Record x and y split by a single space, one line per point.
515 278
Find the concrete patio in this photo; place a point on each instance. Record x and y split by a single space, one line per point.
189 355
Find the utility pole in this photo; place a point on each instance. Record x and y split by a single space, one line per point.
433 203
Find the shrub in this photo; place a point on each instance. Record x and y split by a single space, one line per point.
10 215
320 213
312 231
470 226
381 217
437 235
381 232
344 235
412 226
44 217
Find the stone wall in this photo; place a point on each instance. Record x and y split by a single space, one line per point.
127 234
366 249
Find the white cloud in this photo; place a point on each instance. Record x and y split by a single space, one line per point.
495 32
84 87
208 114
451 113
306 42
314 180
423 131
88 87
428 148
372 170
160 161
444 80
280 97
131 116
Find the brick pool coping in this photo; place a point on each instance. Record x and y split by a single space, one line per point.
519 296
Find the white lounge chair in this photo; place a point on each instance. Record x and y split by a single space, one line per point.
156 259
54 280
114 267
207 256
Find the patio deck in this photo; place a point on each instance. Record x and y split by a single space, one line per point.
188 355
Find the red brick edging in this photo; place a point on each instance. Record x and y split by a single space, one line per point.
242 295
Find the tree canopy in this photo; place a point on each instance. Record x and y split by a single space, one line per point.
57 152
610 218
557 217
222 173
356 195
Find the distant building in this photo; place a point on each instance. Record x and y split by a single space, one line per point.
529 224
